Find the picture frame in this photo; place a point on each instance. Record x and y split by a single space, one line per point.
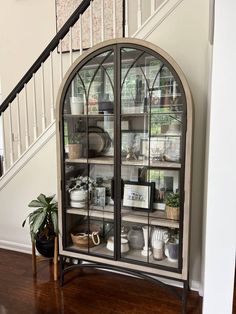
163 148
138 195
132 139
99 197
165 181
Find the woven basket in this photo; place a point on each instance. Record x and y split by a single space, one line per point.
82 240
172 213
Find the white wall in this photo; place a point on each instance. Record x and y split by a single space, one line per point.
38 176
26 27
220 230
184 35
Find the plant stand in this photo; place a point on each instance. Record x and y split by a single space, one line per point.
36 259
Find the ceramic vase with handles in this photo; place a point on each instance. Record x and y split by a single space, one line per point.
136 239
172 251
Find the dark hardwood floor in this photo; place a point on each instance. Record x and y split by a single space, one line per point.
86 291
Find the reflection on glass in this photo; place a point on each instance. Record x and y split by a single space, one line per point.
92 89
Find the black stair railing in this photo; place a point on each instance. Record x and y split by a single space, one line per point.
46 53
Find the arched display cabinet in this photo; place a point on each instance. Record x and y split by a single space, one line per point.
124 129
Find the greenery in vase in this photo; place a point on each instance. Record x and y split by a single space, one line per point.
82 183
43 220
173 235
172 200
74 138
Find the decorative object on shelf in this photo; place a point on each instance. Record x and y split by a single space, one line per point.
80 189
172 245
99 196
158 237
124 232
136 238
99 141
105 105
124 245
43 223
131 155
86 235
138 196
75 147
77 105
92 107
131 140
172 206
146 249
85 240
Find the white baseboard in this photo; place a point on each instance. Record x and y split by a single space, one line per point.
14 246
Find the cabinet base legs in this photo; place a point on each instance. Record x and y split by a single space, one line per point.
67 264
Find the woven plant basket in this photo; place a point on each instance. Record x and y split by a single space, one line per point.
172 213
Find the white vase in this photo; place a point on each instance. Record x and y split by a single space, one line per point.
78 195
146 250
76 105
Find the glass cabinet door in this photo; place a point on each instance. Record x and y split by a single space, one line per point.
88 120
152 124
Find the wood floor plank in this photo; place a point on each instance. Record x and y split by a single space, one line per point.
86 291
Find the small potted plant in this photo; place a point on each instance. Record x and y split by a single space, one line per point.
172 245
80 189
172 206
43 223
75 146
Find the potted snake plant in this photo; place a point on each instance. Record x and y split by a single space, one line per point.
43 222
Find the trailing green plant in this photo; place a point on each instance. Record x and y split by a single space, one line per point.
74 138
173 235
43 220
172 200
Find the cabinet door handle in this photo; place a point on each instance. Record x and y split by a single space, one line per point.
122 188
112 188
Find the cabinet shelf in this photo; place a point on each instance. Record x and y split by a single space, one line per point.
154 164
98 249
157 218
110 161
135 255
97 160
132 255
98 115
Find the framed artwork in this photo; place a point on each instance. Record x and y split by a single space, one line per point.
99 198
132 140
166 181
163 148
64 9
138 196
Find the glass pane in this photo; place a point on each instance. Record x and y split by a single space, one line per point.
98 78
101 138
134 131
101 208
